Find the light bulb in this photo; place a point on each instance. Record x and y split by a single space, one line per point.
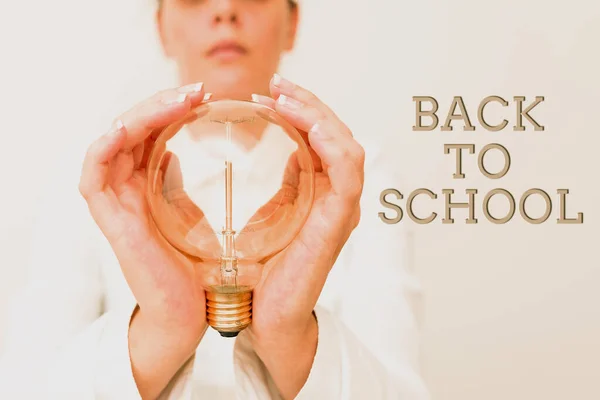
230 186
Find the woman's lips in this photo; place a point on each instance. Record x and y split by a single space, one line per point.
226 51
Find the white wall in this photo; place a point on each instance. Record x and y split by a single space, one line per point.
510 311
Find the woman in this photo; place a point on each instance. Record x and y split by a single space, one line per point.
152 339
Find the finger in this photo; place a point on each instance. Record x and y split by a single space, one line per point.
185 211
338 151
282 87
286 195
158 111
270 102
148 146
316 160
264 100
344 161
150 142
95 168
161 109
303 116
172 178
305 111
121 169
138 155
174 191
293 96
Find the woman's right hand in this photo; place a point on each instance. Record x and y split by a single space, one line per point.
170 320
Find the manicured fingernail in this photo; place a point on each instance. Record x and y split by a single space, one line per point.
207 97
316 130
289 102
180 99
259 98
282 82
116 129
192 88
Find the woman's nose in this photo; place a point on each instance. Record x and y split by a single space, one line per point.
225 11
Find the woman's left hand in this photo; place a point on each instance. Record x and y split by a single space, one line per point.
284 329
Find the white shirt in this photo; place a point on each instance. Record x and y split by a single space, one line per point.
67 336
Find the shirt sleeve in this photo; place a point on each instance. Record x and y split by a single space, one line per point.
252 379
378 299
63 290
368 337
59 343
61 296
112 372
343 368
94 364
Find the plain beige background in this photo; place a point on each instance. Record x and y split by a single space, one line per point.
509 312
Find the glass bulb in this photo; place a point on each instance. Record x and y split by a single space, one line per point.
230 186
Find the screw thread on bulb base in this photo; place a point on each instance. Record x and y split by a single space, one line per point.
229 311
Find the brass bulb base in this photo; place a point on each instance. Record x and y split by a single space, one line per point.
229 310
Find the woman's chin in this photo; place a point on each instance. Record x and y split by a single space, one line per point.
234 92
231 83
231 95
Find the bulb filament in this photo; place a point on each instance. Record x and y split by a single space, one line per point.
228 258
